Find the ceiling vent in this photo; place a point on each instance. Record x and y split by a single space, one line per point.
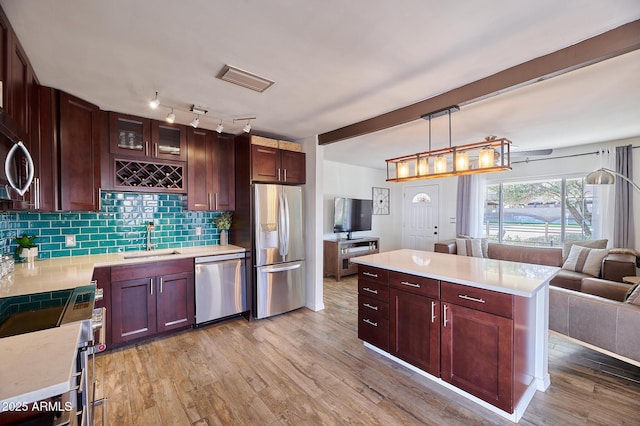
244 79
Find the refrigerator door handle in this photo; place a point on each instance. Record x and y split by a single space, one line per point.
284 268
283 219
286 223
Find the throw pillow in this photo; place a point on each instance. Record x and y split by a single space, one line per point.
484 242
633 295
469 247
585 260
596 244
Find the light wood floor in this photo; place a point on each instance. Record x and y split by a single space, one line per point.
310 368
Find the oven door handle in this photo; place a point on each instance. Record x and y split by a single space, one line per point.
98 321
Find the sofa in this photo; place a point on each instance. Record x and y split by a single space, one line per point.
591 310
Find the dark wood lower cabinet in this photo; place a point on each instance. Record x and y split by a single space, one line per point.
414 334
175 301
133 309
143 304
477 354
475 339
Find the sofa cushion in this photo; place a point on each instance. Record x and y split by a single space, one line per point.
633 295
608 289
585 260
597 244
469 247
550 256
568 279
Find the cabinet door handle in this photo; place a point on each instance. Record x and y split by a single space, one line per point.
369 274
215 201
368 321
151 284
146 148
410 284
278 174
285 175
370 290
444 312
155 149
160 284
473 299
36 184
209 200
366 305
433 312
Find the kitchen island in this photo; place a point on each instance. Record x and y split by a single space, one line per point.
476 326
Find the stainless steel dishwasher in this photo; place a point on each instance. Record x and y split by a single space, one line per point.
220 286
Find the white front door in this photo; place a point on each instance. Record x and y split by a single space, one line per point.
420 217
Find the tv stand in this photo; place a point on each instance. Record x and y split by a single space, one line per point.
337 254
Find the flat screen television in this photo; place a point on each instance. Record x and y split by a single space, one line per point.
352 215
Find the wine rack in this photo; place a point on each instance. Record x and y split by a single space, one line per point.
131 174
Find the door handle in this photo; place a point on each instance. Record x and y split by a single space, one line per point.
444 315
286 268
433 312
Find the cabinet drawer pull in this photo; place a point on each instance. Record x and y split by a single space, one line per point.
368 321
433 312
473 299
160 284
369 274
370 290
444 311
366 305
410 284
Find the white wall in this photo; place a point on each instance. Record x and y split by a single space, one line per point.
313 225
343 180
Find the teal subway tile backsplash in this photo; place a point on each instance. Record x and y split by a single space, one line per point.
119 226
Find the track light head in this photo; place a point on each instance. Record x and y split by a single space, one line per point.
220 127
195 122
171 117
247 127
155 102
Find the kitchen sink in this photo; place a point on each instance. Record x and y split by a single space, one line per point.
149 254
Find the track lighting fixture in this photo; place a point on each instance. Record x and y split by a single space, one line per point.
220 127
195 122
171 117
155 102
247 127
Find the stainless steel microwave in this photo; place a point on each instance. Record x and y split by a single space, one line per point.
16 165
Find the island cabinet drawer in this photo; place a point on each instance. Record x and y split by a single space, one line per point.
477 298
370 273
374 290
374 330
415 284
370 306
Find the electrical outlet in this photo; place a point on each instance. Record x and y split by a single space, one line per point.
69 240
198 231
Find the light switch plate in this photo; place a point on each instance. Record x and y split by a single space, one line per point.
198 231
69 240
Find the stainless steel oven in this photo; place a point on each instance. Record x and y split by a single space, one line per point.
33 312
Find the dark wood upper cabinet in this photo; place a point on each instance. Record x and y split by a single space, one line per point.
144 138
275 165
211 177
79 149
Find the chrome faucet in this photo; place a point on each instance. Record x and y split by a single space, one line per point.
150 227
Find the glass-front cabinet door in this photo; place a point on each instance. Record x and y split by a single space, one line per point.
169 141
130 135
146 138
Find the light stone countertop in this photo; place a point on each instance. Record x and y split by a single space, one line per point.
520 279
38 365
68 272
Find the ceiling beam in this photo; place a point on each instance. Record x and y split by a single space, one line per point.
618 41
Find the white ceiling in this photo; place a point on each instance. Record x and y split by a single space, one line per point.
335 63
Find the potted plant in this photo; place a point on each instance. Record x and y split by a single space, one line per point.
223 223
26 247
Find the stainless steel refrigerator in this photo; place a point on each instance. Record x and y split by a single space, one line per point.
279 249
